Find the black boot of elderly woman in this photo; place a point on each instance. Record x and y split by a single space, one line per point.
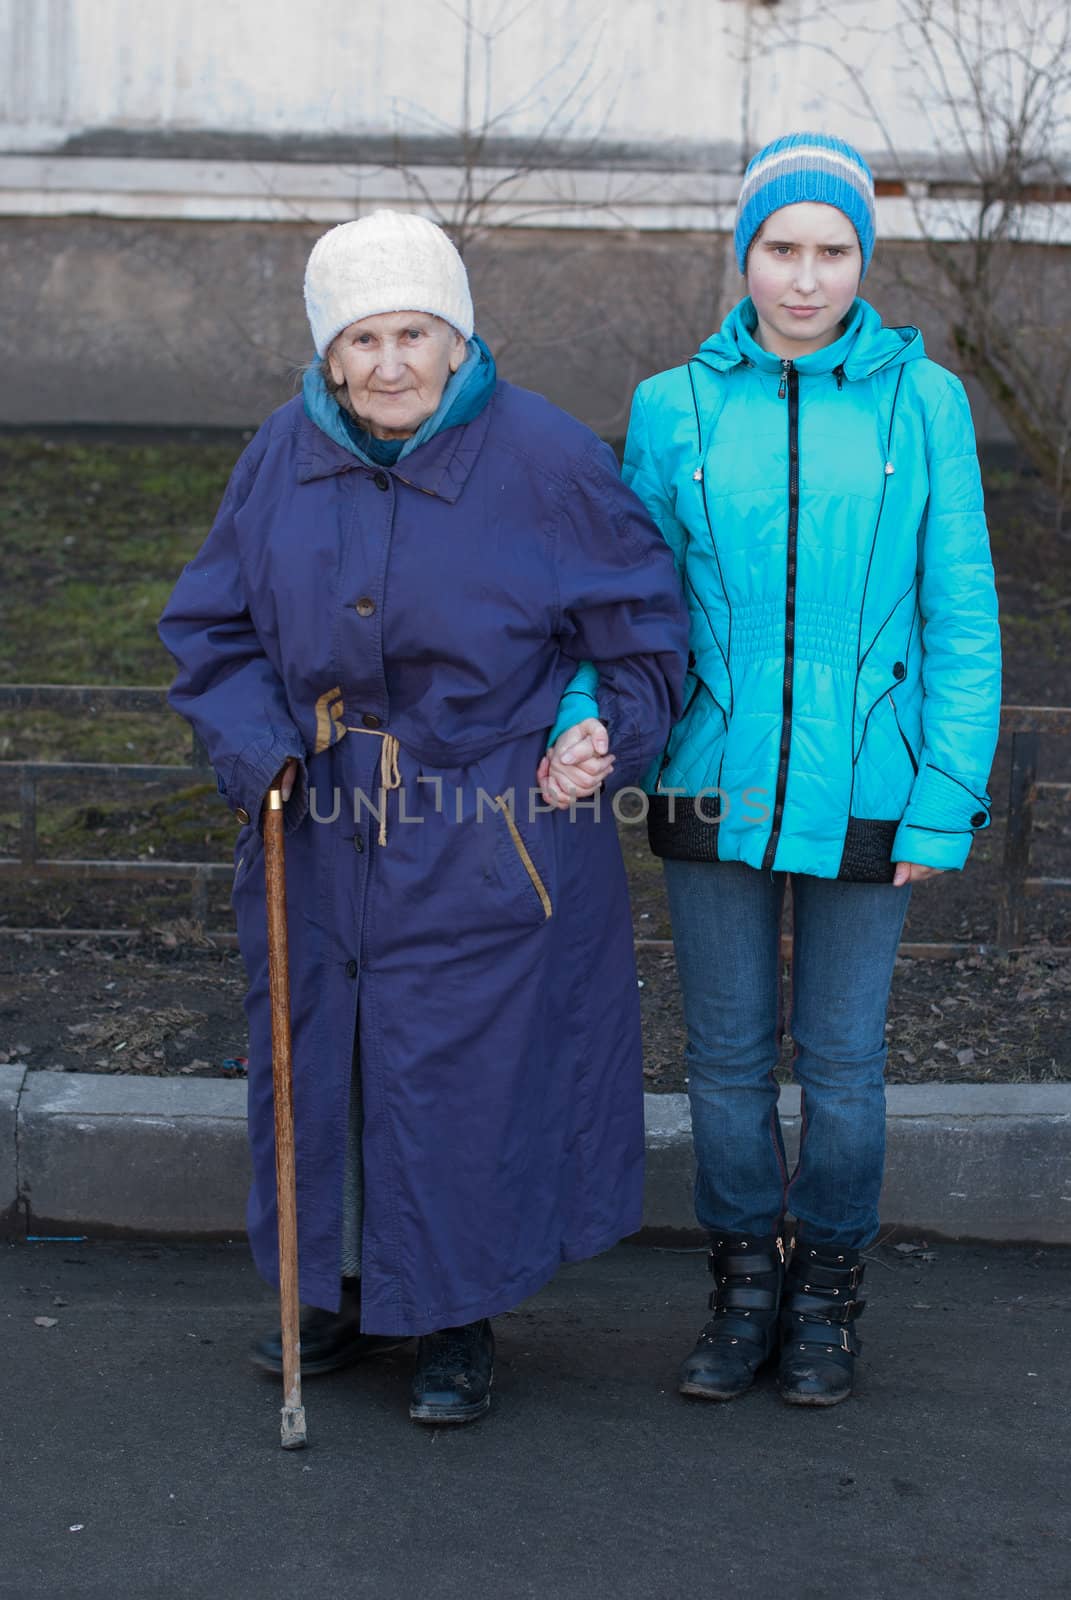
454 1369
818 1339
329 1339
742 1334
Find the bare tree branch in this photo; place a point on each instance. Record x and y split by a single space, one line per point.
490 175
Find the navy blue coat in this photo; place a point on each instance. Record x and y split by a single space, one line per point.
483 952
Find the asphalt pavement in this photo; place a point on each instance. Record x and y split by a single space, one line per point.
141 1455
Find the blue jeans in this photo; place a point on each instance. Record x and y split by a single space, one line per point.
727 935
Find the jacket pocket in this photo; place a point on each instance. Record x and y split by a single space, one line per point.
892 661
693 750
515 864
911 756
521 850
886 765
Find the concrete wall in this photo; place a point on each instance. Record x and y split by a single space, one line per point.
112 321
164 170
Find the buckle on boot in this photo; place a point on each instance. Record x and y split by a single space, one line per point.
810 1331
835 1279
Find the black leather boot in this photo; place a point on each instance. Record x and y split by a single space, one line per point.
742 1334
329 1339
454 1369
818 1339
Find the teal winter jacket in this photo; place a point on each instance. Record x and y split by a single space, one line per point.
826 518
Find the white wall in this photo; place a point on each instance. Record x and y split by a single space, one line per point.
696 72
106 105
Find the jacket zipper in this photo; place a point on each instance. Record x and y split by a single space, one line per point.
687 707
790 384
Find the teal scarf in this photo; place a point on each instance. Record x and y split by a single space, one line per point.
467 392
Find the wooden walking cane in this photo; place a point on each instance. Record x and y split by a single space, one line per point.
293 1412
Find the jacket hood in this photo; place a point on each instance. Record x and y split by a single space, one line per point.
865 346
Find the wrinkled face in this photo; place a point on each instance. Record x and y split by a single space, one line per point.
803 272
395 368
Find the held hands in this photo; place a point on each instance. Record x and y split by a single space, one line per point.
576 765
912 872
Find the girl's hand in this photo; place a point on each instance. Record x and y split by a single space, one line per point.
576 765
912 872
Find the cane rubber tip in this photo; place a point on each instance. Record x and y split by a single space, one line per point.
293 1435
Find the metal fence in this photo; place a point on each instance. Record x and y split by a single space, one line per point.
77 700
1025 725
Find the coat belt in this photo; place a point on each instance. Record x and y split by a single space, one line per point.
389 775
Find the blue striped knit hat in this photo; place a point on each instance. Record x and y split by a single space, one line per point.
806 166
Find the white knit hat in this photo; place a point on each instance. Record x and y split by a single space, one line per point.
387 261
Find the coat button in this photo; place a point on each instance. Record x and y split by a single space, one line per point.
381 480
898 670
370 720
979 819
241 815
358 843
365 606
351 969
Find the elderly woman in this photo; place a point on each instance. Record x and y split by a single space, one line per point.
408 565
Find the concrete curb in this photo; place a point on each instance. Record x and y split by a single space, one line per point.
167 1157
966 1161
11 1082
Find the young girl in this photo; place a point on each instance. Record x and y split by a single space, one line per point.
816 478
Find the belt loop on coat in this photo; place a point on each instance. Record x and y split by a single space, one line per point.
389 775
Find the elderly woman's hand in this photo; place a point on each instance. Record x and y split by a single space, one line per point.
577 765
284 779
